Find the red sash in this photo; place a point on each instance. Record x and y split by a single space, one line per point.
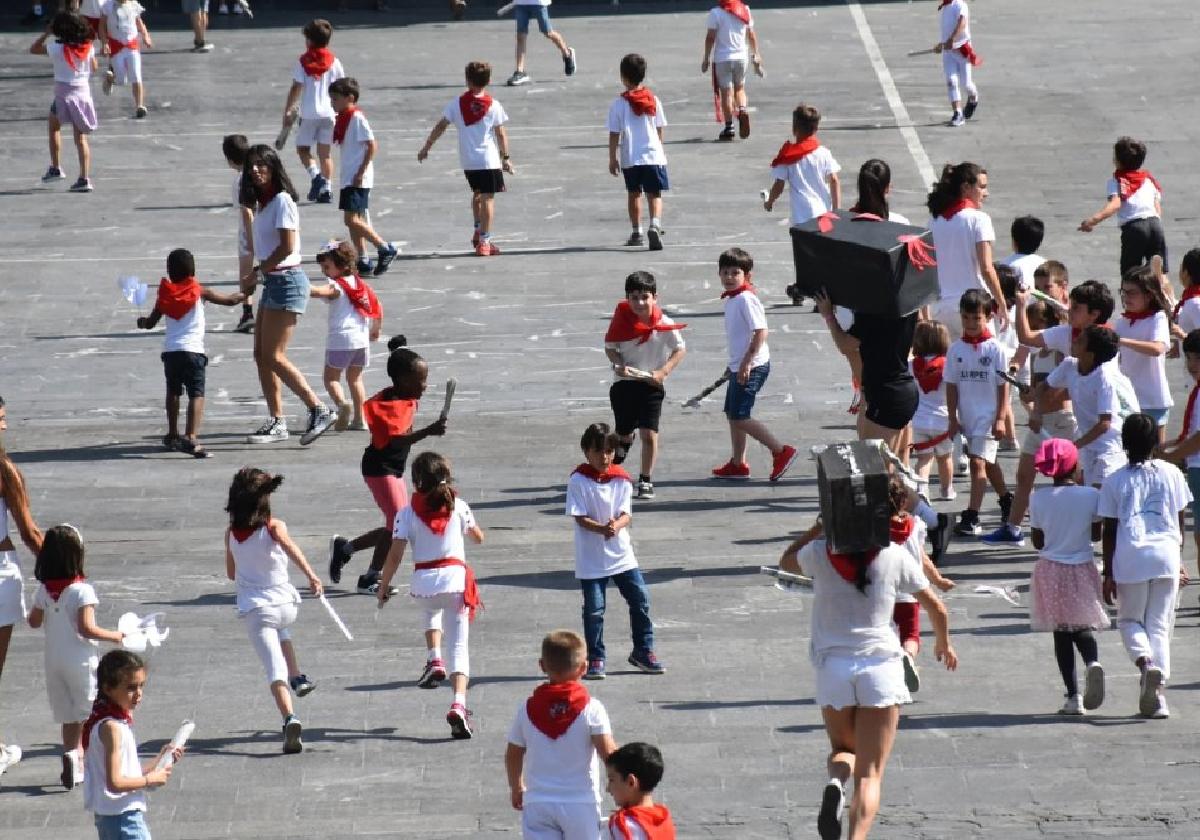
1188 293
844 564
361 298
553 707
928 372
738 9
732 293
653 820
316 61
968 52
102 709
76 54
473 107
387 418
790 152
626 326
343 122
641 100
55 586
1187 414
613 471
471 592
929 444
115 46
962 204
177 297
975 341
435 520
1130 181
1134 317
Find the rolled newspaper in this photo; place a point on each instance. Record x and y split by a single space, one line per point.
181 738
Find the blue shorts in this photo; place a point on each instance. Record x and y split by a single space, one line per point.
354 199
739 398
524 13
1160 415
127 825
286 290
1193 479
646 178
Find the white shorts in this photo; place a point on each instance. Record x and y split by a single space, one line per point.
1056 424
71 687
730 73
942 448
873 681
1097 466
983 446
12 592
317 131
127 66
561 821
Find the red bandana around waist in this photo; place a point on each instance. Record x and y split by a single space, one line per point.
1130 181
738 9
975 341
901 528
845 565
553 707
342 122
1188 293
790 152
626 326
968 52
611 472
56 586
654 821
641 100
115 46
471 598
474 107
362 297
102 709
435 520
388 418
177 297
928 372
958 206
1134 317
316 61
732 293
77 54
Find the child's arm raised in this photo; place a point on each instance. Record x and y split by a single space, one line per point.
222 299
90 630
846 344
38 47
1146 348
394 556
328 292
149 322
789 561
1025 334
117 781
1089 224
279 533
438 129
514 761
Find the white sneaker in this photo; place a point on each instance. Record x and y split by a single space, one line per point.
1161 712
949 494
9 756
957 120
273 431
1073 706
1093 687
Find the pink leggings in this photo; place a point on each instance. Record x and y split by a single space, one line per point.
390 494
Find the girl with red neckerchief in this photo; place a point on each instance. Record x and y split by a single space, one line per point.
73 58
1144 329
435 522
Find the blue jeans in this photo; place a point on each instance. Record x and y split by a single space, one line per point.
633 589
127 825
739 398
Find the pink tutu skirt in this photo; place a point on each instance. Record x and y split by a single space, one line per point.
1066 597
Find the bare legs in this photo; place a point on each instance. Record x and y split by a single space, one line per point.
272 332
860 740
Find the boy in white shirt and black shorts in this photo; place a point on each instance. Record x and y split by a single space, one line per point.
1136 199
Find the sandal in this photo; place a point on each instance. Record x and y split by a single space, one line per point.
171 442
190 447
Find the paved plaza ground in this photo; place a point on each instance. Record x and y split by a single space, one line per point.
980 754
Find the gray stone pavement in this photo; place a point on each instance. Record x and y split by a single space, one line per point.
981 753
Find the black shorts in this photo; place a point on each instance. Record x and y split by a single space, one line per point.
354 199
646 178
891 404
636 405
184 372
486 181
1141 239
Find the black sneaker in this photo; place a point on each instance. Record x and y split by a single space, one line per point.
272 431
1006 503
292 732
201 46
368 584
968 524
939 538
140 113
385 254
829 818
644 490
635 240
569 62
518 78
319 421
246 323
339 555
793 292
314 187
363 266
655 235
969 110
727 134
302 685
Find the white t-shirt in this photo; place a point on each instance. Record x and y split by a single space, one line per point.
1145 499
314 98
121 19
650 355
349 329
932 414
914 545
1058 339
731 35
280 213
91 8
477 147
64 645
1026 265
955 240
949 15
1189 315
97 798
1064 515
354 151
846 622
566 768
1091 395
64 72
1192 425
427 545
639 144
744 314
595 556
808 184
972 368
1147 373
1140 205
186 333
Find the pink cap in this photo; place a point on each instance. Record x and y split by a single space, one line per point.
1056 457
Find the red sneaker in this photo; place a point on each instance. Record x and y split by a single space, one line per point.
486 249
732 471
782 462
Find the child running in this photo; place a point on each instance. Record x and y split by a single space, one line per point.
524 11
806 169
120 27
1135 197
116 781
257 551
236 147
73 60
435 523
931 423
66 604
354 321
1141 505
731 42
1064 590
635 132
312 75
958 59
634 771
1145 332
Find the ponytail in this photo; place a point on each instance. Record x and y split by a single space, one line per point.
948 189
432 479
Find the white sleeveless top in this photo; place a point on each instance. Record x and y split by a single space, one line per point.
97 798
261 572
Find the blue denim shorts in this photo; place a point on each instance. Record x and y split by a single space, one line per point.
286 290
739 398
646 178
127 825
524 13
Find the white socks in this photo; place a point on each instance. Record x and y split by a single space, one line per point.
313 170
434 653
460 698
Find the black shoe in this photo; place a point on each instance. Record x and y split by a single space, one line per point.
727 134
246 323
939 538
339 555
621 453
793 291
968 524
364 266
635 240
969 110
1006 503
655 235
569 62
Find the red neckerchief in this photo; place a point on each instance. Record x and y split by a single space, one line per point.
362 297
962 204
435 520
316 61
790 152
653 820
844 564
177 297
738 9
115 46
553 707
55 586
928 372
641 100
626 326
471 598
732 293
76 54
983 336
474 106
1130 181
102 709
901 528
1187 414
1134 317
1188 293
388 418
611 472
343 122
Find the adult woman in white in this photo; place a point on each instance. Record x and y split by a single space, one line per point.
267 190
963 237
858 659
14 501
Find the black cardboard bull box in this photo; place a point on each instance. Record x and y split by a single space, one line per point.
874 267
852 480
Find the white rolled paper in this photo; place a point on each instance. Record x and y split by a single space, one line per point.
181 738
